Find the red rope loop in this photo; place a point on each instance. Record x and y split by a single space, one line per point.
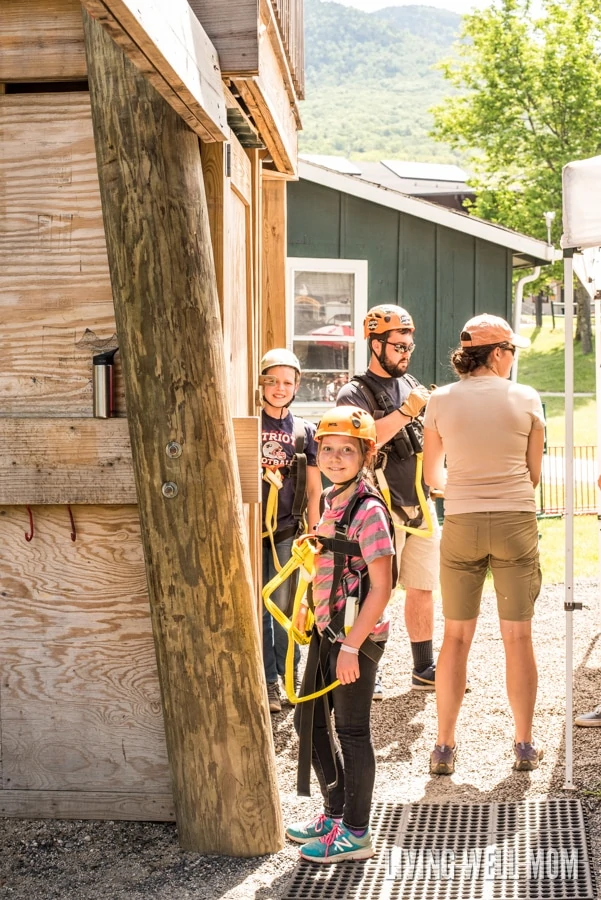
29 536
73 531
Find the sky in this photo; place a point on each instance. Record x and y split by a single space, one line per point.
458 6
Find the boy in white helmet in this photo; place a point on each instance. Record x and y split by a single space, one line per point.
291 494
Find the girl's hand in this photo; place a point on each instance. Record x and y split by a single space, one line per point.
309 537
300 618
347 667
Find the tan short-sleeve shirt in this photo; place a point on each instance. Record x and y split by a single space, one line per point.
484 423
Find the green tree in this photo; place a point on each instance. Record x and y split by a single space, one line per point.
528 101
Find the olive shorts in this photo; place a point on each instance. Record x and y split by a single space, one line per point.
504 541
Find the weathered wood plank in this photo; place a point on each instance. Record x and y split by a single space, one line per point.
65 461
77 746
234 31
213 171
217 723
273 312
268 102
45 461
41 40
169 46
254 245
240 170
145 807
80 695
56 303
106 558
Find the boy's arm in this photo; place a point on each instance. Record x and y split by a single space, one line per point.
313 497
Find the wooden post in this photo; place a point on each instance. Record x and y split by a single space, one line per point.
159 247
273 312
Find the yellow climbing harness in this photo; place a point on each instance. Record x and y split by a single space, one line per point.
428 531
303 559
275 480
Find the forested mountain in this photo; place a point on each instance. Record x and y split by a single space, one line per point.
370 80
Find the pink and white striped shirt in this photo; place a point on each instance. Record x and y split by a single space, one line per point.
370 528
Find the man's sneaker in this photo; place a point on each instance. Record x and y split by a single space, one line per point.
527 756
302 832
589 719
339 845
273 695
424 680
442 759
378 689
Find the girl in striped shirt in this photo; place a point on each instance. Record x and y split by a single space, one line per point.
346 439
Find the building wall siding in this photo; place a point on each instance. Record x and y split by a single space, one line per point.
441 276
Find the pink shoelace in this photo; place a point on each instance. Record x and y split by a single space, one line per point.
328 839
318 822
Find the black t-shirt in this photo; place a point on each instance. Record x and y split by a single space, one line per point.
400 474
277 450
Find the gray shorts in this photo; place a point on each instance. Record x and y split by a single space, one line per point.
505 542
418 558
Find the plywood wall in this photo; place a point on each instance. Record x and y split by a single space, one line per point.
55 293
81 721
80 704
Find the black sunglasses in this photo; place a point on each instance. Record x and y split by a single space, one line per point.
401 348
509 347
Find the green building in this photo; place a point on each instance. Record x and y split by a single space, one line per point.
353 244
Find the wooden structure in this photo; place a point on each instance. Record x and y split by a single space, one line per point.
131 678
444 266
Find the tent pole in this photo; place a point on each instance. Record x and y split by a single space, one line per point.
568 269
598 415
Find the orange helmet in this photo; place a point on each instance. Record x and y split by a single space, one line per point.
386 317
349 420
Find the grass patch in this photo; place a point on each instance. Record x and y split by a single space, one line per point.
585 423
542 365
552 548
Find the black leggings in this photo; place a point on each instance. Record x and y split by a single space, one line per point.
355 763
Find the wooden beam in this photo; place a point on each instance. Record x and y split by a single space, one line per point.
273 300
269 105
86 805
41 40
217 723
167 44
234 30
44 461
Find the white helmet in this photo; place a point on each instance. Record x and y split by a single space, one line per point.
280 357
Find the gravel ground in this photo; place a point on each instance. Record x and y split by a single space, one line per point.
98 860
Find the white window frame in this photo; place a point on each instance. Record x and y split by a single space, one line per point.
356 267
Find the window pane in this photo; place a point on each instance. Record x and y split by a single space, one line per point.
323 302
325 369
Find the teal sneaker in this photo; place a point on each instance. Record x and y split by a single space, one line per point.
302 832
338 845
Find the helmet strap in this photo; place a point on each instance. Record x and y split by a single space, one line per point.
341 488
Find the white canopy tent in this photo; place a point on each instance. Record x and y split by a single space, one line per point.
581 234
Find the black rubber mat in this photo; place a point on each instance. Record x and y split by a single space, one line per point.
451 851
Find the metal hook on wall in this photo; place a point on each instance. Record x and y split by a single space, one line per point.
73 531
29 536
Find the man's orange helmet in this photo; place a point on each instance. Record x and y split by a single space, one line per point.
349 420
386 317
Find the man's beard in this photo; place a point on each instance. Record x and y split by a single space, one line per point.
395 370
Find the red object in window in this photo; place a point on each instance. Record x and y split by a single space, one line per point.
334 330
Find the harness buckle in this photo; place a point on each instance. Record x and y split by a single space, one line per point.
330 634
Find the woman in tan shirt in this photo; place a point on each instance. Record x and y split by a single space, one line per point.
491 431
